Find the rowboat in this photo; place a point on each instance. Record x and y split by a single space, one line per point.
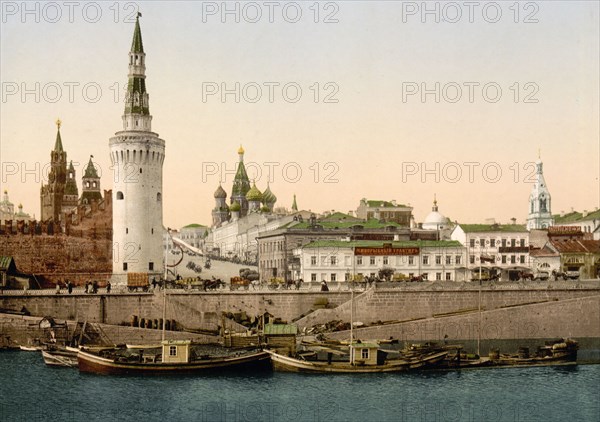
61 357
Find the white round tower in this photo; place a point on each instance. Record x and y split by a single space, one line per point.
137 156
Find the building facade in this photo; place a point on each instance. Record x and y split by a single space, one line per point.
504 246
137 155
385 211
334 261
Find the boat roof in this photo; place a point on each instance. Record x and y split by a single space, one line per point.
365 345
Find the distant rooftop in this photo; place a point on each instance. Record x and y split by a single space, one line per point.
479 228
574 216
379 244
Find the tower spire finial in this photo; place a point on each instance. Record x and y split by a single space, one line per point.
58 123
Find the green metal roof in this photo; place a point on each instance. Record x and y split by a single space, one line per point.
373 203
340 216
574 217
480 228
379 243
280 329
58 144
90 170
193 225
241 183
136 45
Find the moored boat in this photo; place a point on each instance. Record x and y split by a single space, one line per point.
362 357
61 357
174 356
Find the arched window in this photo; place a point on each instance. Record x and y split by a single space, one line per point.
120 195
158 197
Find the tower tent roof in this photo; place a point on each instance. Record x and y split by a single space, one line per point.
90 170
136 45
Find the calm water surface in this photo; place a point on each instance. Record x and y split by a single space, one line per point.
31 391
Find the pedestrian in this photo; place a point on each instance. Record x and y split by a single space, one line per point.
324 287
153 283
58 287
108 287
87 286
94 286
70 287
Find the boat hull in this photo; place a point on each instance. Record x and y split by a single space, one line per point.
91 363
60 358
288 364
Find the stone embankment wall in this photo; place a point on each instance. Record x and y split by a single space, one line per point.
204 310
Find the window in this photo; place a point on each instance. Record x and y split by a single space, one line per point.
172 350
151 266
364 353
513 242
359 260
385 260
472 259
347 277
472 243
448 259
332 277
457 259
438 259
513 259
522 243
493 243
313 277
448 277
120 195
425 259
504 243
313 260
504 259
411 260
522 259
438 276
372 260
333 260
124 266
158 197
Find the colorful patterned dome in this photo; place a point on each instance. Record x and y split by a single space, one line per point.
220 192
254 194
268 196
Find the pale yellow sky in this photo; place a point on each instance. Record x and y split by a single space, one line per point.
368 133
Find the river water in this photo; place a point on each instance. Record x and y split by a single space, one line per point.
31 391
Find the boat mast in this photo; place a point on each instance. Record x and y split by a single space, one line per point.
164 283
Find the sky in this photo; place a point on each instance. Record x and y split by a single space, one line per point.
332 101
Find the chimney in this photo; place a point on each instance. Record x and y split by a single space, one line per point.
584 213
513 221
562 213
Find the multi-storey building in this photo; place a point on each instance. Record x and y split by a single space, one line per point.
504 246
351 260
385 211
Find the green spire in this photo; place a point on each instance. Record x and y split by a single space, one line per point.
58 144
136 100
136 45
294 205
241 182
90 170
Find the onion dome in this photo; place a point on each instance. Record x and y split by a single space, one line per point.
265 209
268 196
235 207
220 192
241 150
254 194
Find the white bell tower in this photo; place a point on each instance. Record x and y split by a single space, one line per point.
137 155
540 211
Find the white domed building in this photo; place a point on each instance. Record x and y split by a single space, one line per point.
437 221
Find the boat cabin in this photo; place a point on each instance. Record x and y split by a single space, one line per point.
363 353
176 351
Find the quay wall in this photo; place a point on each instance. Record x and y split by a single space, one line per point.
204 310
